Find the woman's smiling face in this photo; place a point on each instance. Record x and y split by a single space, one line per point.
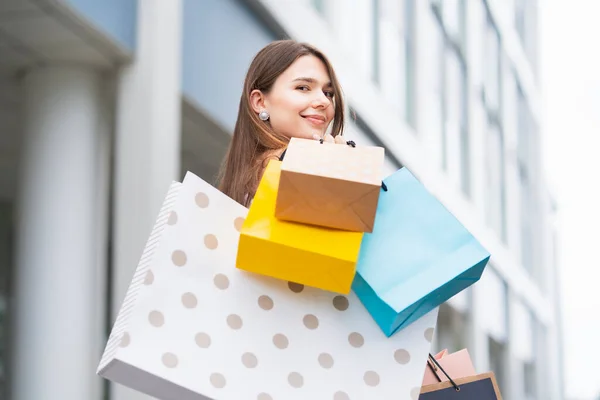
300 103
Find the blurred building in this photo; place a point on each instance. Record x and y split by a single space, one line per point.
103 103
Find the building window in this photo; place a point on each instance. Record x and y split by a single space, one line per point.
492 63
394 54
495 157
525 20
452 329
409 61
529 378
527 351
455 139
492 316
376 41
498 361
524 163
520 9
495 193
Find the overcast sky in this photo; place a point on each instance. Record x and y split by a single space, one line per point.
570 35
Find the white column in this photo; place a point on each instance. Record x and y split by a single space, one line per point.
54 286
147 141
102 180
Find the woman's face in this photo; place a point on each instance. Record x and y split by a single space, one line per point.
300 103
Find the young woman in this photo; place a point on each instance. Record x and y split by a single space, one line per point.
290 91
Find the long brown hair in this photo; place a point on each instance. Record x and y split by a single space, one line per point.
254 142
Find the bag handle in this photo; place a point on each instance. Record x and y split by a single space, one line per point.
282 155
434 369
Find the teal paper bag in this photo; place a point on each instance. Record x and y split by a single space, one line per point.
417 257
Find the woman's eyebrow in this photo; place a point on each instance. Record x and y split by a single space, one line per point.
309 80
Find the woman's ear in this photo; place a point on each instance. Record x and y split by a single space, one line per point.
257 101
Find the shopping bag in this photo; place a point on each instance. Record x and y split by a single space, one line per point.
193 326
456 379
480 387
457 365
311 255
330 185
417 257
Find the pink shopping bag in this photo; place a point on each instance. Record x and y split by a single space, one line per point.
457 365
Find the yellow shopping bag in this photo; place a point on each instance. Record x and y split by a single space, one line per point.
315 256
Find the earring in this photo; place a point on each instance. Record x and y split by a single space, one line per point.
264 115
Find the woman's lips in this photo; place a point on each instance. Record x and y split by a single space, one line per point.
314 119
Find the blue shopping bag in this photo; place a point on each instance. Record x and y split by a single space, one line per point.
417 257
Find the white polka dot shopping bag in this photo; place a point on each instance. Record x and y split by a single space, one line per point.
192 326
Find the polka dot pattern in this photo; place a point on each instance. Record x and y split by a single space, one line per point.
211 242
429 334
218 380
203 340
172 218
202 200
402 356
341 396
341 303
238 223
189 300
125 340
311 321
371 378
356 340
234 321
265 302
179 258
295 380
325 360
296 287
249 360
246 321
281 341
221 281
156 318
149 278
170 360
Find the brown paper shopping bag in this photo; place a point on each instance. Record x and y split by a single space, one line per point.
479 387
330 185
460 386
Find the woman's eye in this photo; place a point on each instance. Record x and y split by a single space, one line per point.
303 88
329 94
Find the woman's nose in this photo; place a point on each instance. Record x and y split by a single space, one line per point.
321 101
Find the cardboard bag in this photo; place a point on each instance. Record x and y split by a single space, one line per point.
192 326
418 256
454 377
480 387
311 255
330 185
457 365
